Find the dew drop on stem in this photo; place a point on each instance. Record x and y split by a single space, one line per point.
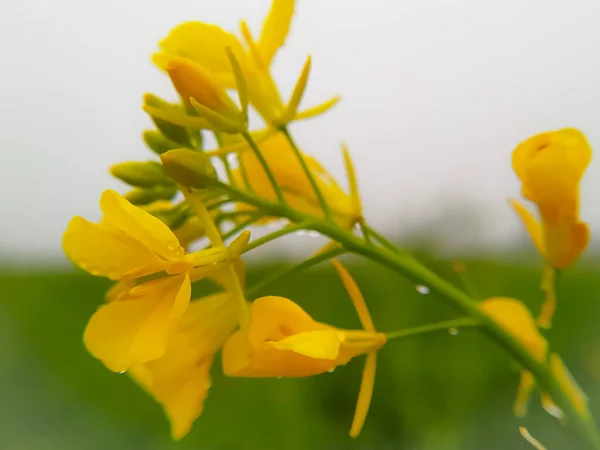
421 289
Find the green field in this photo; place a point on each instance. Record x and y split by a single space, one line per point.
433 392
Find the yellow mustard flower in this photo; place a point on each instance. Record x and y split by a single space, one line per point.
296 188
208 44
180 379
128 244
283 340
550 166
515 318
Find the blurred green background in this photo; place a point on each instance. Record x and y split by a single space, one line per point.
432 392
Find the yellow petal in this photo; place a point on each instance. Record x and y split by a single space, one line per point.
291 177
134 329
204 44
365 394
532 225
515 318
181 378
141 225
550 167
105 251
274 318
294 358
566 242
313 344
356 296
191 80
236 356
525 152
118 289
275 28
184 401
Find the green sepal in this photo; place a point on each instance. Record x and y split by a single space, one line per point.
141 196
158 143
144 174
171 131
189 168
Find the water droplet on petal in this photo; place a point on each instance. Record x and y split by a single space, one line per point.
121 373
331 370
421 289
172 245
453 331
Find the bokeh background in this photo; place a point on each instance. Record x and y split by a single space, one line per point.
436 94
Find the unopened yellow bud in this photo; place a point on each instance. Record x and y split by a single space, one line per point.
189 168
141 196
145 174
192 80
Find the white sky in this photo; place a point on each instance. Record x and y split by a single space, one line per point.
436 95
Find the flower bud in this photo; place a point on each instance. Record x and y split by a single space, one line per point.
192 80
141 196
159 143
189 168
145 174
173 132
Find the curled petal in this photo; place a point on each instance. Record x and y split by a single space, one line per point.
139 224
134 329
534 228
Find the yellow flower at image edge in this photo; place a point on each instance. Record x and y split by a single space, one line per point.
550 166
514 317
128 244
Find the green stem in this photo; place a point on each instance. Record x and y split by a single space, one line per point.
469 284
431 327
266 168
274 235
365 230
244 173
308 173
461 301
384 241
312 261
228 171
